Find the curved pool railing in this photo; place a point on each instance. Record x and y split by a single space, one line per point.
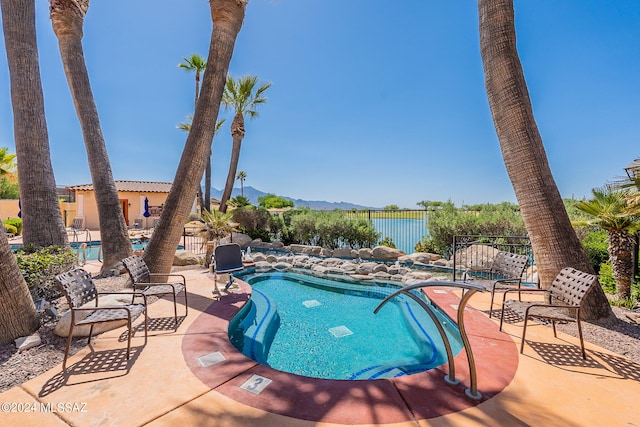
468 291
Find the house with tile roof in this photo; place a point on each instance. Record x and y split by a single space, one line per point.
132 195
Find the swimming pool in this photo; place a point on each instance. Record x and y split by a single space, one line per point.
326 329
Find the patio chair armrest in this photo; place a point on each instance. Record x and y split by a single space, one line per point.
134 294
184 279
520 291
507 283
151 284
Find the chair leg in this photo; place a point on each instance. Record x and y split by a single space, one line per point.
186 303
66 351
493 293
175 309
584 354
524 332
553 323
129 334
501 316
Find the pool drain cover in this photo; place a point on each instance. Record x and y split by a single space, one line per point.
340 331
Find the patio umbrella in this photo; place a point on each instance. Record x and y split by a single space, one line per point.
146 213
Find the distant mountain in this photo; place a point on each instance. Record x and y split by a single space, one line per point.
252 194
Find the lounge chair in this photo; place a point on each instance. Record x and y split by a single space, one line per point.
226 259
79 289
505 273
564 302
142 282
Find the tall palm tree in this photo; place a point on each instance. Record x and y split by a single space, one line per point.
194 63
205 202
554 241
612 211
42 219
243 97
17 311
227 17
242 175
67 18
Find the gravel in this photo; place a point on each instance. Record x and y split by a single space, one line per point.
620 335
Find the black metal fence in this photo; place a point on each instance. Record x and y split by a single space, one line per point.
404 228
192 242
484 250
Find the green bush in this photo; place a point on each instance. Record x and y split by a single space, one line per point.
388 242
8 188
606 279
15 223
39 266
11 229
488 220
595 245
257 223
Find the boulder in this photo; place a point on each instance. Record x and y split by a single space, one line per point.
242 239
423 257
185 258
386 254
62 328
332 262
277 245
345 253
263 267
282 266
476 257
367 268
365 253
25 343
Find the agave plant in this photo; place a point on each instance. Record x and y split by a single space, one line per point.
216 225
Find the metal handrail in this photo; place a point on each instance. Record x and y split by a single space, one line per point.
470 289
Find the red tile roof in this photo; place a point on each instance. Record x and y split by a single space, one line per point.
134 186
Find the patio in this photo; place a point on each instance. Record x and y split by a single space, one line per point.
164 383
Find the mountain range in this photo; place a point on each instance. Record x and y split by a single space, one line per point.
252 194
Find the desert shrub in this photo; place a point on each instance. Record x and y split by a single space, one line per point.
488 220
8 188
388 242
15 223
595 245
11 229
39 266
427 244
329 229
257 223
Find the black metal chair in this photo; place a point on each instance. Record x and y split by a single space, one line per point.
564 302
505 273
79 289
226 259
142 282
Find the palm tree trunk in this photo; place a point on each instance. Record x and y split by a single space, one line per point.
42 219
207 183
227 17
237 134
67 17
621 256
17 312
554 241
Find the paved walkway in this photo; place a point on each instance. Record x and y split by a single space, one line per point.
163 384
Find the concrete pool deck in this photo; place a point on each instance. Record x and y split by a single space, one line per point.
166 382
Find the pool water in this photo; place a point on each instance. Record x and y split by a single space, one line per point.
326 329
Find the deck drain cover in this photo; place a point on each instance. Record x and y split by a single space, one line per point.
340 331
311 303
256 384
211 359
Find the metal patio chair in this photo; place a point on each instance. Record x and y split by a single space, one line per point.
563 303
226 259
143 282
505 273
79 289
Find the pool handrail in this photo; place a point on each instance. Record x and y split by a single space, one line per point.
469 290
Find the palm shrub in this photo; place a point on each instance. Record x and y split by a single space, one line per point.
216 225
610 210
39 266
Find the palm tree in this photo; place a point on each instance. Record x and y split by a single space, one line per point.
243 97
611 211
42 219
554 241
194 63
67 18
216 226
17 311
227 17
242 175
205 202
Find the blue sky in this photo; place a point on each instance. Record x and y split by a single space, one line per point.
372 102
